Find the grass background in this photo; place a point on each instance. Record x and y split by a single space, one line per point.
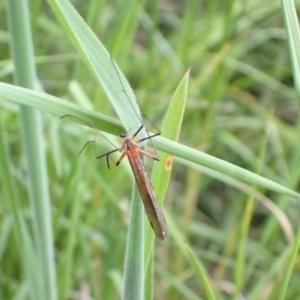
241 108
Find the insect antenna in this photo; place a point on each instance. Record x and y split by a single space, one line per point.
137 114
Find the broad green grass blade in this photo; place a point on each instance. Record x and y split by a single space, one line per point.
58 107
32 134
100 62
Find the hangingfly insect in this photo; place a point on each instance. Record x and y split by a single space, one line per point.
131 149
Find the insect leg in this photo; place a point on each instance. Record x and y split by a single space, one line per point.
142 152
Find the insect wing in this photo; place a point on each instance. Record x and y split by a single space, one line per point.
152 207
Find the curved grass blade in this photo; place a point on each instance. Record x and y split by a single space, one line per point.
161 172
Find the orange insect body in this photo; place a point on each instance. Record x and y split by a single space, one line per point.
152 207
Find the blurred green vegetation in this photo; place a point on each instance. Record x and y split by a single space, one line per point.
241 108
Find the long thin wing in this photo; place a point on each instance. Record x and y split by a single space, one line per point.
152 207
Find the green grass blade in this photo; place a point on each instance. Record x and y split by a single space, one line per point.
25 75
133 288
162 171
69 254
100 62
293 34
58 107
201 274
220 165
291 261
170 130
